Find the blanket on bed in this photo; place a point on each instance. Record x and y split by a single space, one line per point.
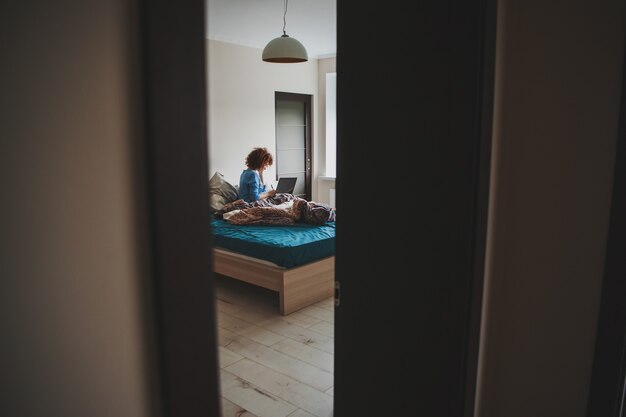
282 209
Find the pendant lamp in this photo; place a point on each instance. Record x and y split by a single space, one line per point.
284 49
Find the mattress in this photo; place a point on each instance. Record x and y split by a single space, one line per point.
285 246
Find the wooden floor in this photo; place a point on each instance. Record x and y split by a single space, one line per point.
273 365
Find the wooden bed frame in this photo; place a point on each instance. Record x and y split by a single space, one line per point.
297 287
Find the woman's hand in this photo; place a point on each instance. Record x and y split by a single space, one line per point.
267 194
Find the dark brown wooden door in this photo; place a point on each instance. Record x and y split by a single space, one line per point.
412 174
607 395
293 140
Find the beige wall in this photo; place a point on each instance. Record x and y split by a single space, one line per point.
558 87
241 104
73 271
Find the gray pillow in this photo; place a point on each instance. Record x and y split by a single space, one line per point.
221 192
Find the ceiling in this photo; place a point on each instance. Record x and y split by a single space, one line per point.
255 22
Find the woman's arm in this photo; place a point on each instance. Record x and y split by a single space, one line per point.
263 187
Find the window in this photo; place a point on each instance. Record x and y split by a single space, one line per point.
331 124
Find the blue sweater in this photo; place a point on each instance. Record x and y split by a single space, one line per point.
250 185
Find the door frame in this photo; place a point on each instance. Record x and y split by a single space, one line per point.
174 71
482 203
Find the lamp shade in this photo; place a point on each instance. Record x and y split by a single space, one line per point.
284 49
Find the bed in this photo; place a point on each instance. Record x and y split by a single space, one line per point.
295 260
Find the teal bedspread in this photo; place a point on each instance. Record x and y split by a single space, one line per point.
286 246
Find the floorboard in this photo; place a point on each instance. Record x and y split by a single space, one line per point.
273 365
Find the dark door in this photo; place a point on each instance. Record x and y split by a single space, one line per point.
607 395
412 165
173 71
293 140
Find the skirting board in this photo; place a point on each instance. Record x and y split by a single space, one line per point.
297 287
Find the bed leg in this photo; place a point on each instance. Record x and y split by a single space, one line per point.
306 286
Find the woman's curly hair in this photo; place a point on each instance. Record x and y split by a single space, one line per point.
258 158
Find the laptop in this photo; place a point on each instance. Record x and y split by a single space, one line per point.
286 185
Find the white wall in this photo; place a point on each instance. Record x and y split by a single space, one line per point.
72 233
241 104
558 84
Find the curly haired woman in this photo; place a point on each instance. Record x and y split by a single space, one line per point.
251 184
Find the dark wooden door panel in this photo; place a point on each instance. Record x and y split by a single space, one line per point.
606 393
411 204
294 156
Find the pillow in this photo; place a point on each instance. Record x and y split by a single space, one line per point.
221 192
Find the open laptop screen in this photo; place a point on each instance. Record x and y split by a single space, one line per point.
286 185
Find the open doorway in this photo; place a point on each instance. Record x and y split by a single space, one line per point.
274 284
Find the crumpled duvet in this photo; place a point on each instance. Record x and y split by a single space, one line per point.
282 209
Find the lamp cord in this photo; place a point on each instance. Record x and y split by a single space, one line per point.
284 17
